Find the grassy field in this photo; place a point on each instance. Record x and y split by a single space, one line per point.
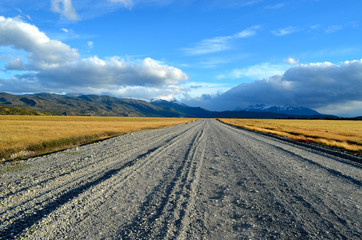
24 136
21 111
342 134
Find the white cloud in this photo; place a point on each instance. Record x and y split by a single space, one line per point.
90 44
65 8
22 14
42 52
145 79
167 92
54 66
337 89
65 30
197 89
249 32
206 46
285 31
218 44
291 60
111 73
259 71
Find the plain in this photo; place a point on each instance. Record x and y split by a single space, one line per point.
346 134
25 136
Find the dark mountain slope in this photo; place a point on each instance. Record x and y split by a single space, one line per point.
286 109
85 105
95 105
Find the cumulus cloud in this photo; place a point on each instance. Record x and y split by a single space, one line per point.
42 52
146 79
317 85
54 66
111 73
166 92
65 8
218 44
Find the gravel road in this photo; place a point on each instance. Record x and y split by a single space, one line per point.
202 180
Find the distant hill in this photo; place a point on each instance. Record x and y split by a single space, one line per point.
85 105
354 118
21 111
95 105
267 113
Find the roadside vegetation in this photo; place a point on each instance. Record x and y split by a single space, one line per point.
346 134
26 136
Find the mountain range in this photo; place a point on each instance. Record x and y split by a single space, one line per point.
95 105
287 109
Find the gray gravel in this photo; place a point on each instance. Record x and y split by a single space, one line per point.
203 180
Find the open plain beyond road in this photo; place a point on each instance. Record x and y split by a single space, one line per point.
202 180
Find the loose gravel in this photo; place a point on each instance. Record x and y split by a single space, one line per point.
202 180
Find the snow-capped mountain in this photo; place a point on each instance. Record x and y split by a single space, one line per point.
286 109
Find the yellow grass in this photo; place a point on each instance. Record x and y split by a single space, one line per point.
33 135
343 134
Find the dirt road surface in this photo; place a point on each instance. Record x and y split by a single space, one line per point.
202 180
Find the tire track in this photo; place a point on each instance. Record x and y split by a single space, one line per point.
162 213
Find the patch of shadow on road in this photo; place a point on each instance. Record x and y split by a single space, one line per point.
29 220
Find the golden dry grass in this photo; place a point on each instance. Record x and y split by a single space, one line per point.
33 135
342 134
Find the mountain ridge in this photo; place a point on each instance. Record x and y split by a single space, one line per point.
286 109
102 105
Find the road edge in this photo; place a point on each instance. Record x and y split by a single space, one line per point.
350 156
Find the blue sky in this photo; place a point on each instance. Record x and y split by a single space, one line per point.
218 54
